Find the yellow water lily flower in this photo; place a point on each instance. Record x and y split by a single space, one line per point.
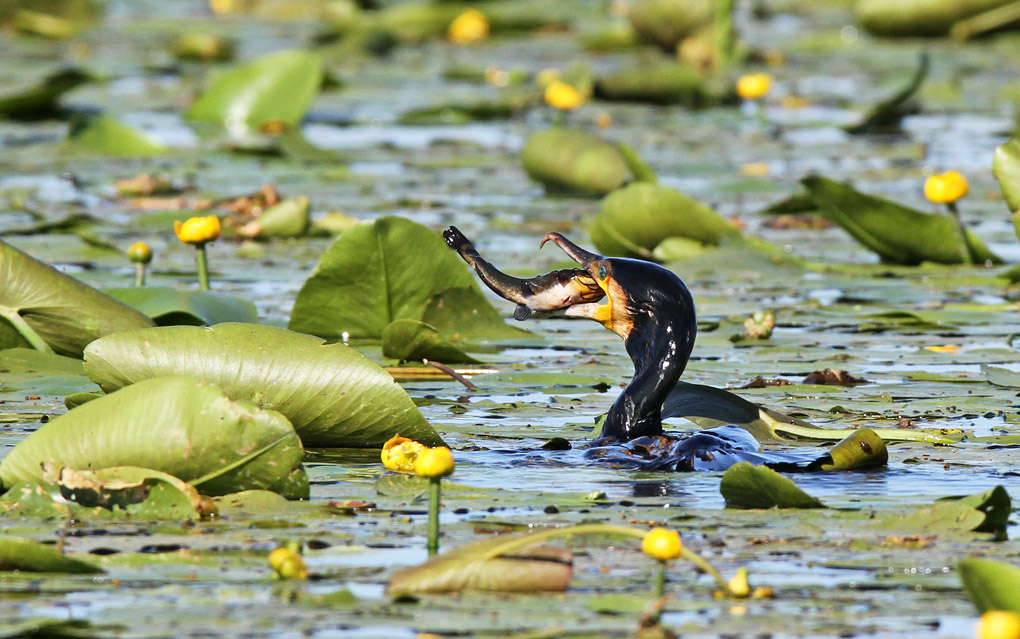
562 96
139 253
198 230
945 188
469 27
662 543
288 564
998 624
739 585
754 85
434 462
400 454
948 348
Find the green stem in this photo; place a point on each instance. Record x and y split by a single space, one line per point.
965 246
706 567
203 267
722 33
139 274
560 118
660 580
26 331
434 494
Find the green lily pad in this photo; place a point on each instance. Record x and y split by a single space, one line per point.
666 22
918 17
332 394
275 89
464 315
411 340
887 114
1001 376
654 84
991 585
897 233
33 499
745 485
31 556
105 135
575 161
994 503
944 518
176 425
1006 167
54 311
387 270
633 220
141 493
169 306
40 100
288 218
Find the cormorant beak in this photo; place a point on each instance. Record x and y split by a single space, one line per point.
614 314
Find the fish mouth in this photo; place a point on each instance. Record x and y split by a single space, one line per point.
613 313
585 258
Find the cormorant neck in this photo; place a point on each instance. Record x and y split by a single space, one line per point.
659 345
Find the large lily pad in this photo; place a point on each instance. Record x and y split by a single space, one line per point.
633 220
169 306
654 84
918 17
176 425
897 233
388 270
572 160
411 340
747 486
32 556
107 136
332 394
141 493
991 585
275 89
51 310
994 503
1006 167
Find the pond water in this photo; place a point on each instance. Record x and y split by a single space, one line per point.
835 572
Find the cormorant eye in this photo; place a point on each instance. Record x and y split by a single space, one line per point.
602 272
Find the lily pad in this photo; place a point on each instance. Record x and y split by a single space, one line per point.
40 101
105 135
275 89
288 218
1001 376
54 311
169 306
572 160
332 394
387 270
654 84
944 518
918 17
633 220
887 114
176 425
666 22
991 585
994 503
141 493
1006 167
411 340
897 233
747 486
31 556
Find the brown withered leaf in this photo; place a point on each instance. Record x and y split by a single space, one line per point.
833 377
762 382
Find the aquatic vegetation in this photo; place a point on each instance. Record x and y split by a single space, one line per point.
140 255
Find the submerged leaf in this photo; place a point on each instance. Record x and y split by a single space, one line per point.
388 270
332 394
411 340
176 425
747 486
170 306
574 160
991 585
897 233
65 313
31 556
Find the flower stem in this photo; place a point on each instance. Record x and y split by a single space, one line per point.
660 580
139 274
722 34
434 492
965 246
203 267
25 330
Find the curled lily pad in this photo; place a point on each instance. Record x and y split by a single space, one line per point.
388 270
31 556
991 585
573 160
747 486
54 311
633 220
666 22
1006 167
139 492
169 306
918 17
411 340
888 113
288 218
272 91
994 503
655 84
332 394
105 135
897 233
176 425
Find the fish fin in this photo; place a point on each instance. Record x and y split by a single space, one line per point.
522 313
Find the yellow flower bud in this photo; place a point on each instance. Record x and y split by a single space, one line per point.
288 564
139 253
754 85
662 543
278 555
434 462
198 230
946 187
998 624
561 95
739 585
469 27
400 454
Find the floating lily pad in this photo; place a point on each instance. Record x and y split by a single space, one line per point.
887 114
654 84
332 394
747 486
274 90
31 556
40 101
918 17
169 306
994 503
666 22
288 218
51 310
897 233
387 270
411 340
572 160
633 220
1006 167
105 135
176 425
944 518
991 585
141 493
